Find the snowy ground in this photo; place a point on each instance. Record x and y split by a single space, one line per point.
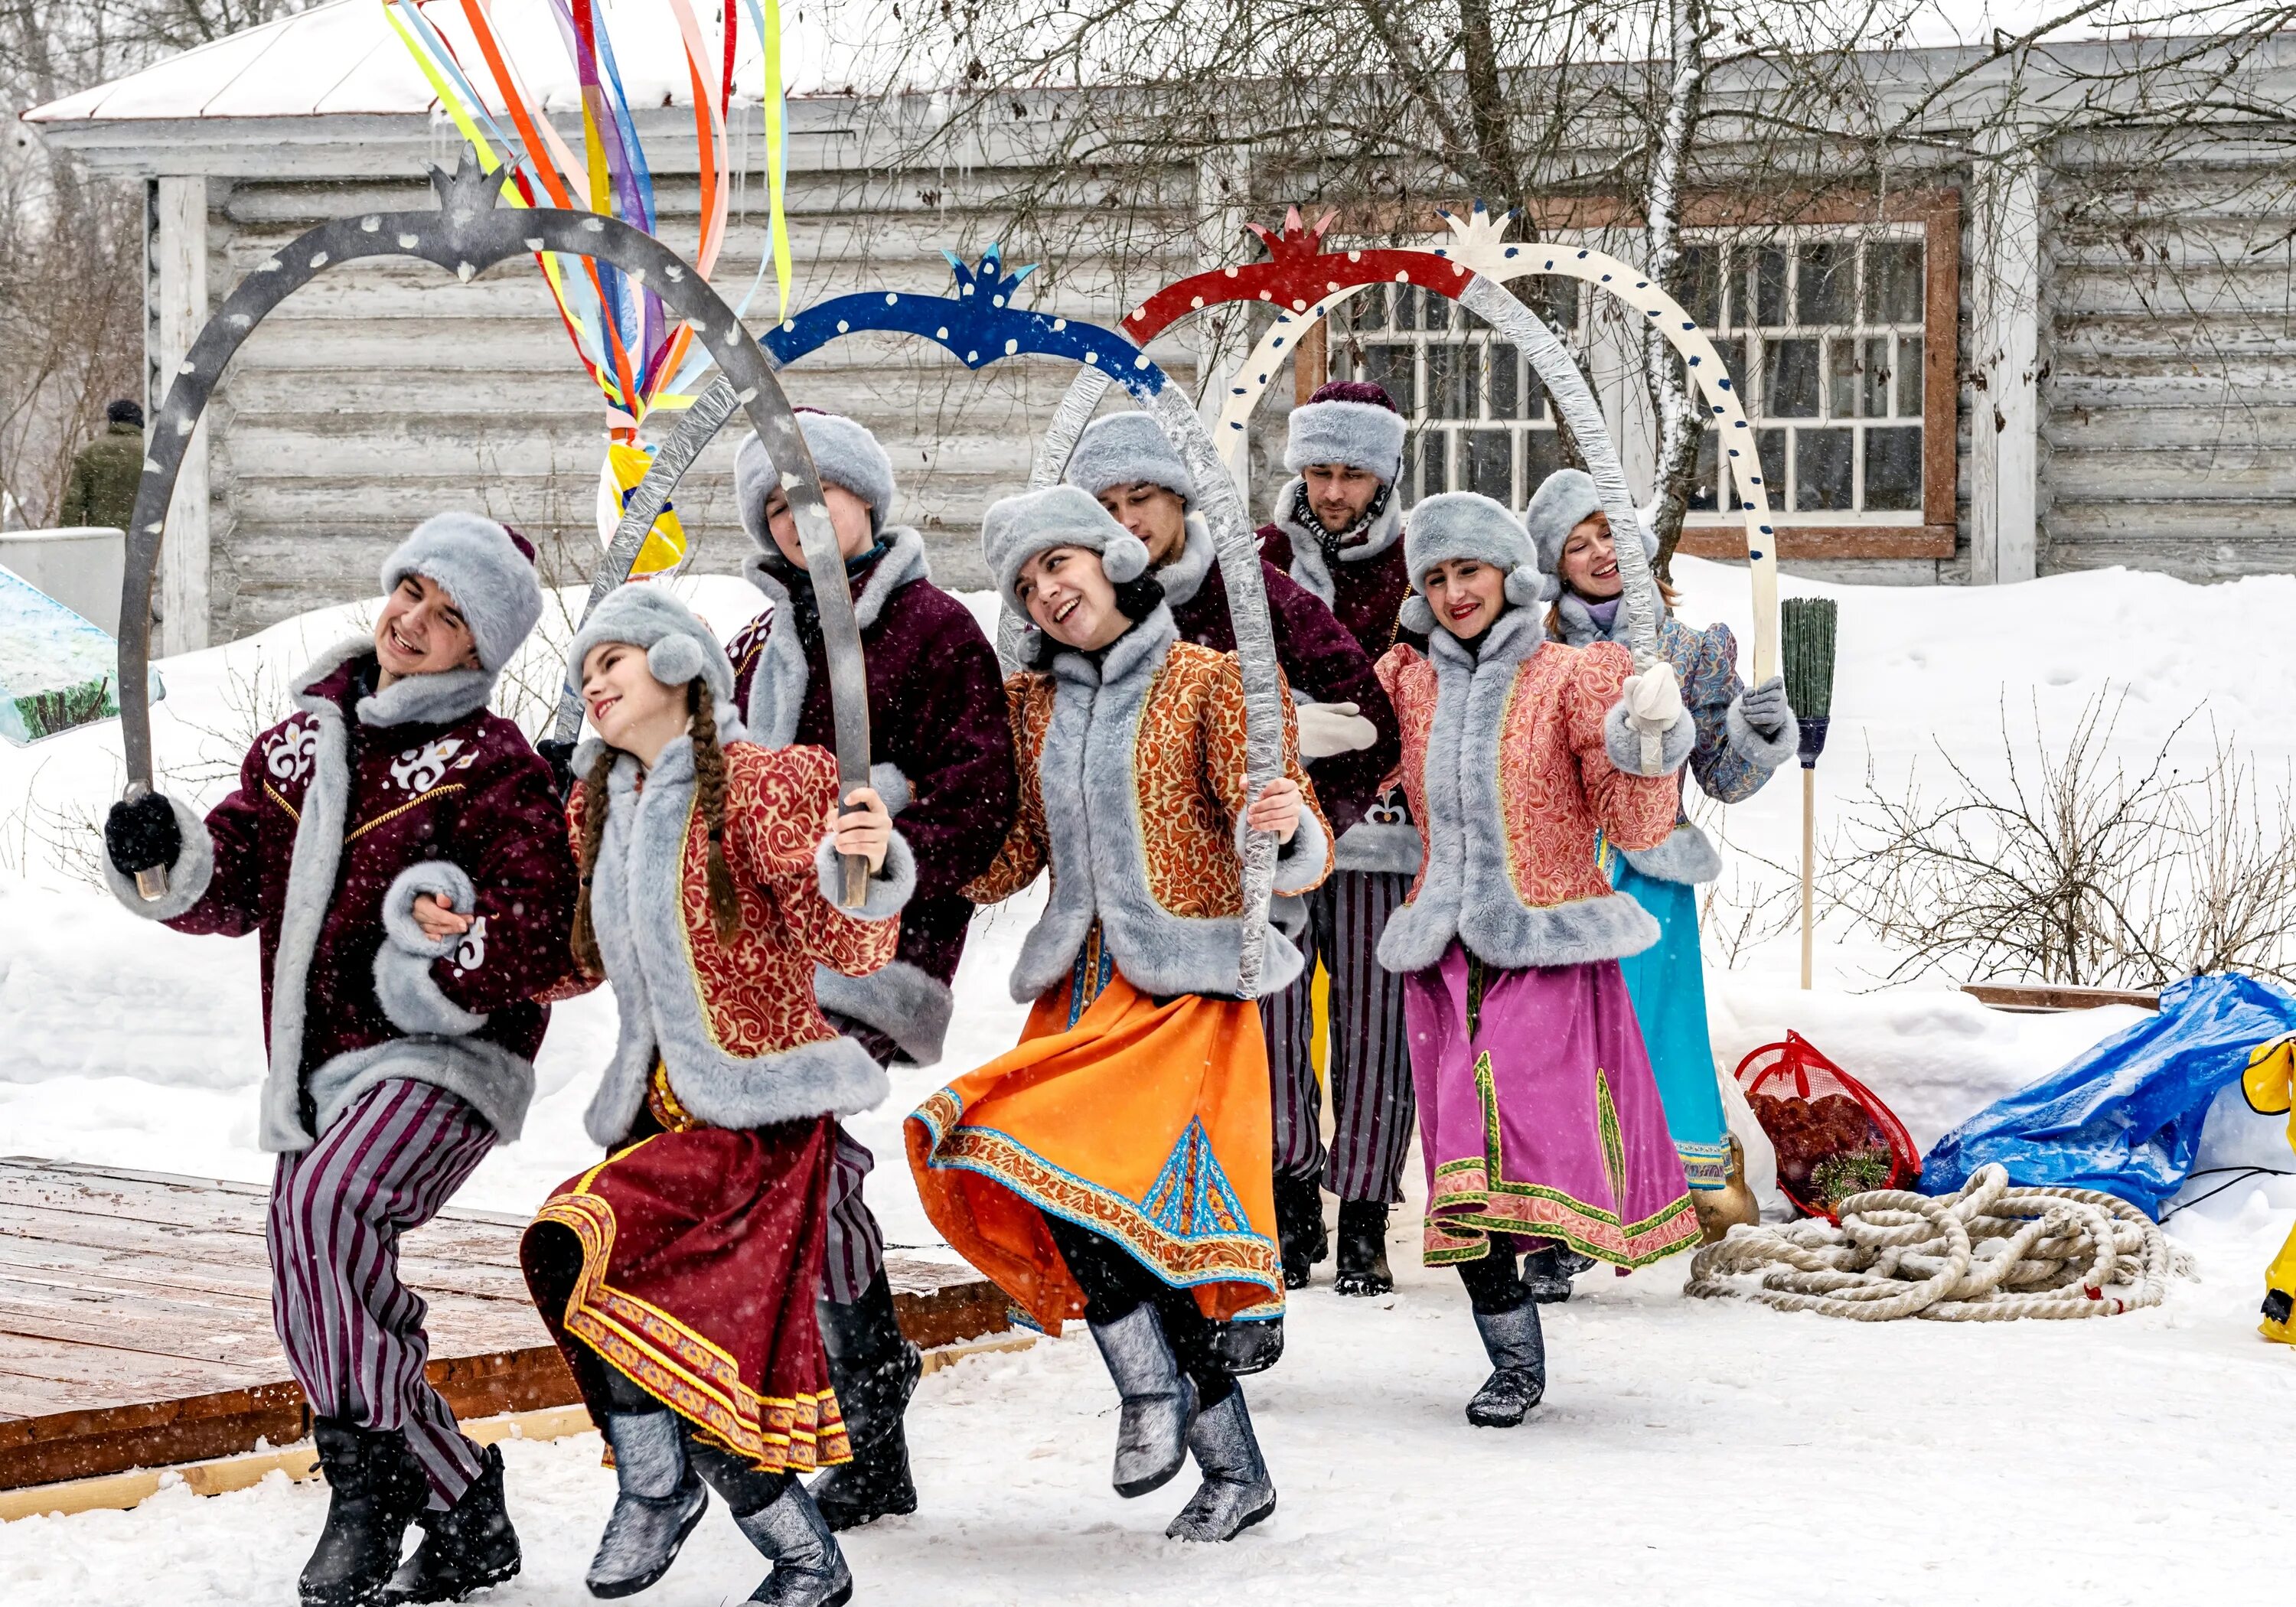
1685 1447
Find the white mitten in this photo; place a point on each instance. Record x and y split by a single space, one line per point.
1329 728
1653 703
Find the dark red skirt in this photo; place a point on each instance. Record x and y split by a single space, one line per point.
689 1262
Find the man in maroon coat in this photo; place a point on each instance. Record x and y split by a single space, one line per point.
941 753
400 853
1338 533
1348 733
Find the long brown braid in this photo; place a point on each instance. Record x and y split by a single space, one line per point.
596 793
708 787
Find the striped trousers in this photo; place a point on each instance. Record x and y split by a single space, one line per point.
1369 1058
352 1332
856 1249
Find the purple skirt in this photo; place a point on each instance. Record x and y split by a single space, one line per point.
1544 1121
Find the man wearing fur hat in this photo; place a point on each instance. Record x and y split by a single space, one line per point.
1337 528
400 853
941 757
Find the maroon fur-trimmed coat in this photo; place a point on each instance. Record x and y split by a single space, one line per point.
1363 594
941 751
1321 659
346 811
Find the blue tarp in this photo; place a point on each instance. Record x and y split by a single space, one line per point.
2125 1117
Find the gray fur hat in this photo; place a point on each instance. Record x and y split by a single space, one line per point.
1016 528
1349 422
486 569
1126 449
678 646
844 453
1564 500
1466 524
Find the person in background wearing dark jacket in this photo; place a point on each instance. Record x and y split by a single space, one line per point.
1337 531
1347 732
941 757
106 472
400 853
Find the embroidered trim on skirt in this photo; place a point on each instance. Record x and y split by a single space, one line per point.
1537 1114
1145 1121
690 1262
1666 982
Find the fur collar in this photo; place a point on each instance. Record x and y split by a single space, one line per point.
1183 577
1467 892
777 691
1581 629
1089 777
1309 566
636 897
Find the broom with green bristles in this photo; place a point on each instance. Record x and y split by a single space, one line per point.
1807 641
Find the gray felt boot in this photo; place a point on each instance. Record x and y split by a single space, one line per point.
1237 1492
659 1501
1159 1401
809 1570
1518 1353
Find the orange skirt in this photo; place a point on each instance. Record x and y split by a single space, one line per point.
1146 1123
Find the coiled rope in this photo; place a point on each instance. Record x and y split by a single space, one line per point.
1991 1253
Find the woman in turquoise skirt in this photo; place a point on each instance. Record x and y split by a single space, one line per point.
1742 736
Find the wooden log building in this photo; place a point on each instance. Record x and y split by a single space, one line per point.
1982 376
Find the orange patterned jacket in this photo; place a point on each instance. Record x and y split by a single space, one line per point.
733 1024
1507 762
1132 792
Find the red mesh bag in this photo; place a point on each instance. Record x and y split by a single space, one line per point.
1833 1135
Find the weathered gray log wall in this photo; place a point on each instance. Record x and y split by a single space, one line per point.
385 392
2169 398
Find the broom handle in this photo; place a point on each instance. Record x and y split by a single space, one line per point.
1809 848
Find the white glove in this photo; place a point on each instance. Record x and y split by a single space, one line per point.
1653 699
1329 728
1653 703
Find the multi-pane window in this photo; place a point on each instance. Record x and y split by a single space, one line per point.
1822 329
1479 417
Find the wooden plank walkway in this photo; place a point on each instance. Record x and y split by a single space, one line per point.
136 1320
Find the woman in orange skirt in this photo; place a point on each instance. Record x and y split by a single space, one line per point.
1116 1165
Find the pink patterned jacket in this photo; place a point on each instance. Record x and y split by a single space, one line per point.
1508 762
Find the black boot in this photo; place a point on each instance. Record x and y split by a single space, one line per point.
875 1371
465 1548
1299 1226
379 1489
1547 1271
1237 1492
1363 1248
1518 1353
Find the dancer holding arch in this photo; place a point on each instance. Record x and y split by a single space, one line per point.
1115 1165
1336 530
678 1275
1538 1116
1743 736
942 755
396 848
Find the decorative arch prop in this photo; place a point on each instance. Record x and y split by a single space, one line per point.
1304 284
979 324
470 232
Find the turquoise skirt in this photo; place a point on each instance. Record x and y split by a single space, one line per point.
1668 984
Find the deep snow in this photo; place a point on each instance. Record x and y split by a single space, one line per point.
1685 1447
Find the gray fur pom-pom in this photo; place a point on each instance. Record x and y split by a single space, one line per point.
674 660
1415 615
1124 558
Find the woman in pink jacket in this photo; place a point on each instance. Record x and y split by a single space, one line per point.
1539 1118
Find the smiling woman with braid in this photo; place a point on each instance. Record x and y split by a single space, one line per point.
678 1274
